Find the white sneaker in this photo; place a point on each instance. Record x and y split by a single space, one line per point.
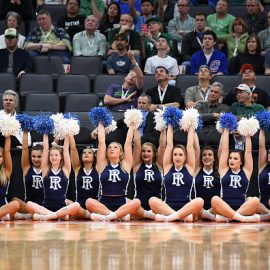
125 218
220 218
39 217
188 218
161 218
253 219
98 217
6 217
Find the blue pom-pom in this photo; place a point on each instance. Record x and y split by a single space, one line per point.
43 124
26 121
264 119
72 116
100 115
229 121
200 123
172 116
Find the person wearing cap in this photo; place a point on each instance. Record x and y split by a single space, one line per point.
13 59
164 94
119 62
201 91
47 39
208 55
259 95
90 42
162 59
123 97
150 35
147 9
244 107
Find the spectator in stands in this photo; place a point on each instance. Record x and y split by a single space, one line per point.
92 7
132 7
72 22
192 41
255 19
110 19
126 24
13 20
164 10
267 62
47 39
237 39
10 103
13 59
162 59
90 42
252 55
122 97
179 26
213 58
22 7
150 35
201 91
259 96
244 107
147 9
164 95
221 21
41 3
264 35
211 108
119 62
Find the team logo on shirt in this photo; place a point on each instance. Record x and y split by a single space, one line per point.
148 175
178 179
208 181
87 180
55 182
114 175
37 181
214 66
235 181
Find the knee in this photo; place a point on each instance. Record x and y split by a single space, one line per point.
136 203
215 200
153 201
254 200
15 205
199 202
89 202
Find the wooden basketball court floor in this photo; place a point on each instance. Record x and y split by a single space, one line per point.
133 245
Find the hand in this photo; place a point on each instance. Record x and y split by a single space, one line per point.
94 134
130 55
129 98
124 28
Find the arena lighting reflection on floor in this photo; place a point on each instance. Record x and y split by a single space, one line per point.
133 246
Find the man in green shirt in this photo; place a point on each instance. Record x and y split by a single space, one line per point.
244 107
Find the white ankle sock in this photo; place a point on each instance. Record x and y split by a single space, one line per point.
111 216
206 214
88 215
149 214
238 217
174 216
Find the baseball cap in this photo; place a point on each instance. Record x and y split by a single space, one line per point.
153 19
11 32
149 1
242 87
245 67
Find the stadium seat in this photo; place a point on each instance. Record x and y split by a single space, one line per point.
237 10
56 11
86 65
7 81
117 115
183 82
41 83
48 65
200 9
149 81
262 82
36 103
213 139
229 82
81 102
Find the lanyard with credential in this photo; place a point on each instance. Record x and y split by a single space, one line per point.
162 94
204 97
124 95
46 35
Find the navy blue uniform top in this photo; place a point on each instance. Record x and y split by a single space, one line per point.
264 185
3 192
234 187
113 181
87 185
33 185
55 188
148 182
207 185
178 185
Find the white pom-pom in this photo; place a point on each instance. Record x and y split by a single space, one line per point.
9 125
160 123
133 116
248 126
190 119
57 118
112 127
66 127
219 128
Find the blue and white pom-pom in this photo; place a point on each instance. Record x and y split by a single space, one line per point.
191 118
227 120
44 124
100 115
248 126
172 116
264 119
159 120
133 116
112 127
26 121
9 125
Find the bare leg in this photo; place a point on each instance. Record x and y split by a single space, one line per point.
142 213
36 208
262 209
10 208
249 207
94 206
193 207
22 208
160 207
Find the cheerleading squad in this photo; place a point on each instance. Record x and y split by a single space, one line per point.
172 183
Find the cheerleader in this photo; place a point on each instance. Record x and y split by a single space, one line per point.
179 170
235 170
113 166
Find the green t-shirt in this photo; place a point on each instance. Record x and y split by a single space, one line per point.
86 7
243 111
